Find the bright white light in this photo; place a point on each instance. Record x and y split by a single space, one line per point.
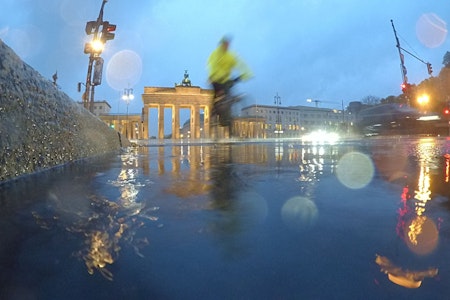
321 137
423 99
429 118
97 46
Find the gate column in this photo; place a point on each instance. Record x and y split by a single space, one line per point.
161 122
195 121
206 121
176 122
144 121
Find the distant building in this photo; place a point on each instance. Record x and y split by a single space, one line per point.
100 107
243 127
129 125
293 121
254 121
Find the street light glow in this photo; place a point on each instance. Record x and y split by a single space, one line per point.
127 95
97 46
423 99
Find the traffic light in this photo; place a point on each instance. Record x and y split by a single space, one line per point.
447 111
430 69
108 31
407 88
404 87
88 48
91 27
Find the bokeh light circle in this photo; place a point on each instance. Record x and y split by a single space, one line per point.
299 213
355 170
421 235
252 207
124 69
25 41
431 30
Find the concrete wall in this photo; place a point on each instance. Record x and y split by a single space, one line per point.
40 126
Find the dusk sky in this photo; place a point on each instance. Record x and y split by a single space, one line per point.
331 51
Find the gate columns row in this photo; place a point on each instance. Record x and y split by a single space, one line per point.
190 97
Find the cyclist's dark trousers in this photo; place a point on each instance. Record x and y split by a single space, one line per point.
220 89
221 108
223 111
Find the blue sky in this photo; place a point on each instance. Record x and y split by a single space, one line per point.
326 50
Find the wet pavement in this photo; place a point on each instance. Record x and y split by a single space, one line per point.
359 219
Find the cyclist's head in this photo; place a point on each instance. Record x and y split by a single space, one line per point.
225 41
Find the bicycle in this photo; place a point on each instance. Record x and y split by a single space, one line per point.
221 114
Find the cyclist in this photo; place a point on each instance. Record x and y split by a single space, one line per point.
222 63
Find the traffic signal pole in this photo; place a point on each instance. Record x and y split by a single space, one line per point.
88 96
402 60
92 27
405 85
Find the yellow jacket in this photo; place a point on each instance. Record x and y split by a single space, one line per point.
221 64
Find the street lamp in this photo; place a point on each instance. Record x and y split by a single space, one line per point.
127 96
423 101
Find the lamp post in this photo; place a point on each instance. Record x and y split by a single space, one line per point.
278 125
127 96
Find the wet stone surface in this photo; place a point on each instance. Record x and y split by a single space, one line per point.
40 126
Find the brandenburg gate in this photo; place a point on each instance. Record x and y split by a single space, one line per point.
179 97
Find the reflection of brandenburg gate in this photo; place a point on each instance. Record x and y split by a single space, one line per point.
191 97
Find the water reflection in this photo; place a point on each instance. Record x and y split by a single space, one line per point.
221 173
421 234
105 224
405 278
415 226
238 208
246 209
300 213
189 176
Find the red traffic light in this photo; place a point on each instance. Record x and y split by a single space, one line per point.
407 88
107 31
446 111
404 87
111 27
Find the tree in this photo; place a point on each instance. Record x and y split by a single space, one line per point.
390 99
371 100
444 84
446 61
